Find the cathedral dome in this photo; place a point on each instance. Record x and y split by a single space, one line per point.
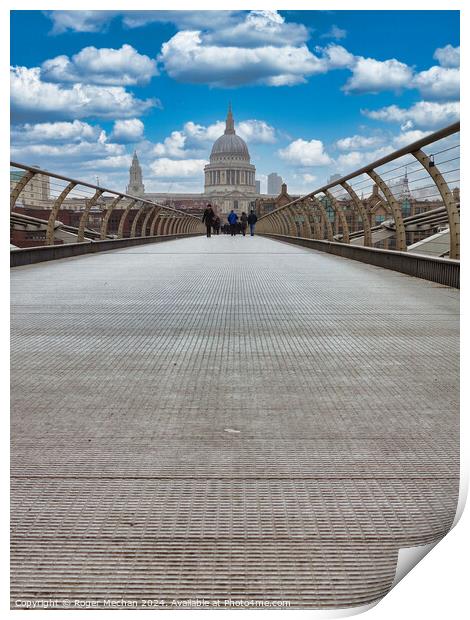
229 145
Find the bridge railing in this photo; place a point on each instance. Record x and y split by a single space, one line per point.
424 173
78 211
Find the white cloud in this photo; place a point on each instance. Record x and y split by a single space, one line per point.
187 59
257 29
448 56
115 162
172 146
424 114
200 133
129 130
58 156
97 21
351 160
336 57
171 168
439 83
305 153
372 76
357 142
334 33
31 98
407 137
113 67
256 131
54 132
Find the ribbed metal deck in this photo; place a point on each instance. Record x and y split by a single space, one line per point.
227 418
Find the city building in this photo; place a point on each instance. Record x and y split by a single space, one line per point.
270 203
37 191
258 186
274 184
229 178
135 186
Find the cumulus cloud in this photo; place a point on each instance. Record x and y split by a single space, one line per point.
372 76
305 153
176 168
130 130
257 29
448 56
439 83
187 59
424 114
54 132
408 137
56 156
114 67
172 146
97 21
334 33
358 142
32 98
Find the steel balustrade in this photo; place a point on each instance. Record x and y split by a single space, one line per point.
166 220
283 220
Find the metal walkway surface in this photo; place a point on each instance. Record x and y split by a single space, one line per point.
227 418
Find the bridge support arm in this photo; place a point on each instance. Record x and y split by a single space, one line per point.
107 215
394 208
361 211
84 219
55 211
447 198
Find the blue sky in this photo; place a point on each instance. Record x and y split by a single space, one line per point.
313 92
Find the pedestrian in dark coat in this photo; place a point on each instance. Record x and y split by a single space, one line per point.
216 225
243 222
208 218
252 219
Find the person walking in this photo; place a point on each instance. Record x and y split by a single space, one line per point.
208 218
232 220
216 225
243 222
252 219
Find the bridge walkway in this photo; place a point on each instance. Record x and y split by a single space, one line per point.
228 418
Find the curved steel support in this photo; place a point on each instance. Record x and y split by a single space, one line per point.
107 215
84 219
123 218
361 211
340 213
19 187
154 222
55 210
324 215
135 221
395 209
151 211
315 230
448 200
162 224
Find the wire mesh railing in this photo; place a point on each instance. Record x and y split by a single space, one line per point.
48 208
420 177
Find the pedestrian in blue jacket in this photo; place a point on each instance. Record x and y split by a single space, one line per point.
232 220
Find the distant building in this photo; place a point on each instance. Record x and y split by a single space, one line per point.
333 178
274 184
37 191
258 187
229 178
136 185
266 205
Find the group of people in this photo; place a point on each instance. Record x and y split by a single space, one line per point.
235 224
